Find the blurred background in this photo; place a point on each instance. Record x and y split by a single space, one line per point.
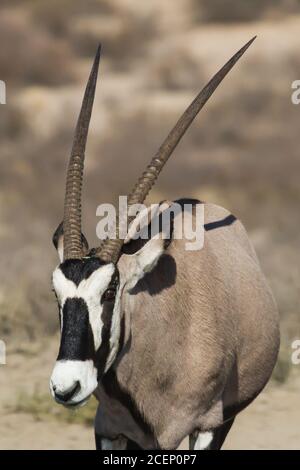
241 153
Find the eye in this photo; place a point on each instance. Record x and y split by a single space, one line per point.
109 295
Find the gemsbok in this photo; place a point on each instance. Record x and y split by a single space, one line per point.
173 343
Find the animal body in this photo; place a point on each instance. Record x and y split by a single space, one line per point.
173 343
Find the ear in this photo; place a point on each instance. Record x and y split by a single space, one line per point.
140 256
58 242
134 267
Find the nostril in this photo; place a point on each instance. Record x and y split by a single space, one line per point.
68 394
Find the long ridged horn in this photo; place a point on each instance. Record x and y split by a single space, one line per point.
111 248
72 206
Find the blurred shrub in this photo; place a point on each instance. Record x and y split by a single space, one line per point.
29 55
56 16
174 69
242 10
26 310
124 31
282 370
124 36
12 124
42 408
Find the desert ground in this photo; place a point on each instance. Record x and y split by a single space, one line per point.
29 419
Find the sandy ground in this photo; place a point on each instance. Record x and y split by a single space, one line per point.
271 422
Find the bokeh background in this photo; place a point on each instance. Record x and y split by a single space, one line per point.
242 153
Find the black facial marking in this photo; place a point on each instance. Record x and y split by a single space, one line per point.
77 341
103 351
122 335
106 317
78 269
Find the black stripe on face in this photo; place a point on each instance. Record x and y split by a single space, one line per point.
77 341
106 317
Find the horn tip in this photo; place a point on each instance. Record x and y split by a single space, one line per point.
248 44
98 51
241 52
252 39
97 56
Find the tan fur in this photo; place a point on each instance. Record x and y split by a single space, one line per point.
201 337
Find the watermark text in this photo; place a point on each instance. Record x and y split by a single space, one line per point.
2 352
153 222
2 92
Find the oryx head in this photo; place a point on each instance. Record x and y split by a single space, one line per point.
88 284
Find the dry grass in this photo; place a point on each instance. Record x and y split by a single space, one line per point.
58 29
43 408
230 11
30 54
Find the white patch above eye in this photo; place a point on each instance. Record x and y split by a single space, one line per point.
97 282
90 290
64 288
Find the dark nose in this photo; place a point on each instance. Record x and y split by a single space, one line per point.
64 397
